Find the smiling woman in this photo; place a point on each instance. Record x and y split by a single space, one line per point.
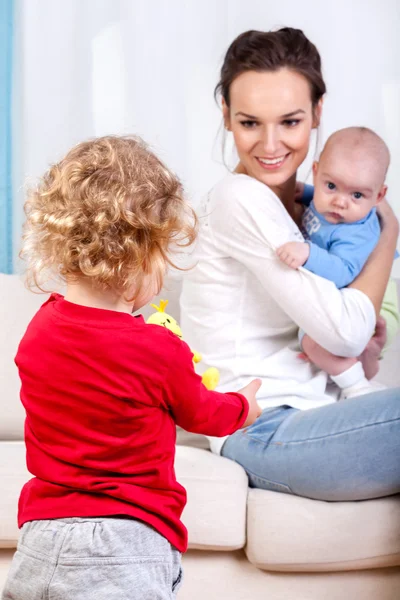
272 93
271 129
267 90
271 101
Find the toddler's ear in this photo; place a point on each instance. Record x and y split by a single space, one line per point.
382 194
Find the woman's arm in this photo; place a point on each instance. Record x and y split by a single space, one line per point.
248 223
374 277
387 326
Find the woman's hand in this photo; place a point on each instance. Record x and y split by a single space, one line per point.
370 357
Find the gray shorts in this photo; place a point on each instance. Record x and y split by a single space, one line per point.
93 559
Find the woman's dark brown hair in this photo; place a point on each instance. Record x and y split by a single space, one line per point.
270 51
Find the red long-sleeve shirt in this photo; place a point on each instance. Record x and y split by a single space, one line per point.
102 392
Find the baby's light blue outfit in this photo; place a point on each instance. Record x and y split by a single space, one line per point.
339 251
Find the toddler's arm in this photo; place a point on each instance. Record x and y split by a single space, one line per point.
199 410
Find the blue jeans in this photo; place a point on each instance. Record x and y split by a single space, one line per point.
348 450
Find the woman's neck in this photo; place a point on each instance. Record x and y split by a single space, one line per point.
285 192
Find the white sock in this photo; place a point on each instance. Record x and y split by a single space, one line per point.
353 382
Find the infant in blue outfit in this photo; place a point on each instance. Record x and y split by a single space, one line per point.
341 228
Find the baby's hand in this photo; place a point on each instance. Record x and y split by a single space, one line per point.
294 254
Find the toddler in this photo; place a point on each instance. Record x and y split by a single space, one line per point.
102 389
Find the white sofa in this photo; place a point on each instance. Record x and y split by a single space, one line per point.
244 543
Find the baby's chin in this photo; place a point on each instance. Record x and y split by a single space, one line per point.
335 218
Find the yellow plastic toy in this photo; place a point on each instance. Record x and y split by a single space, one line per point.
210 377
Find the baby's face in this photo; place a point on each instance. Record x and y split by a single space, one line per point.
348 184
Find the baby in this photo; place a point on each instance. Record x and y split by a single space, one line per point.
341 229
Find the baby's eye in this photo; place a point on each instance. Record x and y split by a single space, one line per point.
248 124
330 185
357 195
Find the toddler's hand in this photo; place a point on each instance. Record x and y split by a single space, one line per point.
249 392
294 254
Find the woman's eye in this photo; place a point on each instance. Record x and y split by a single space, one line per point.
291 122
248 124
357 195
330 185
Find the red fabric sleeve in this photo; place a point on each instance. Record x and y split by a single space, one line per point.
195 408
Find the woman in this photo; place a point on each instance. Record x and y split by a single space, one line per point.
241 307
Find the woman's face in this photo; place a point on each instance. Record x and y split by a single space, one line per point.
271 117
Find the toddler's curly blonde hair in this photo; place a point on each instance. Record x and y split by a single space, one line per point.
110 211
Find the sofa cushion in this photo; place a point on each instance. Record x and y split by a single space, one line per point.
215 514
18 305
289 533
194 440
13 475
216 487
284 533
229 575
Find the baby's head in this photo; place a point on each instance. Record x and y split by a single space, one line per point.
109 212
350 175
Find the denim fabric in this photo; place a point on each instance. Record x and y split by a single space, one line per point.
348 450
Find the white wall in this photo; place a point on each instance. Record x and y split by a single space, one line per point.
90 67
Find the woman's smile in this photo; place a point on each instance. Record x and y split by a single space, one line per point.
272 164
271 117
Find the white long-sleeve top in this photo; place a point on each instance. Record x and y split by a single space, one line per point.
241 307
